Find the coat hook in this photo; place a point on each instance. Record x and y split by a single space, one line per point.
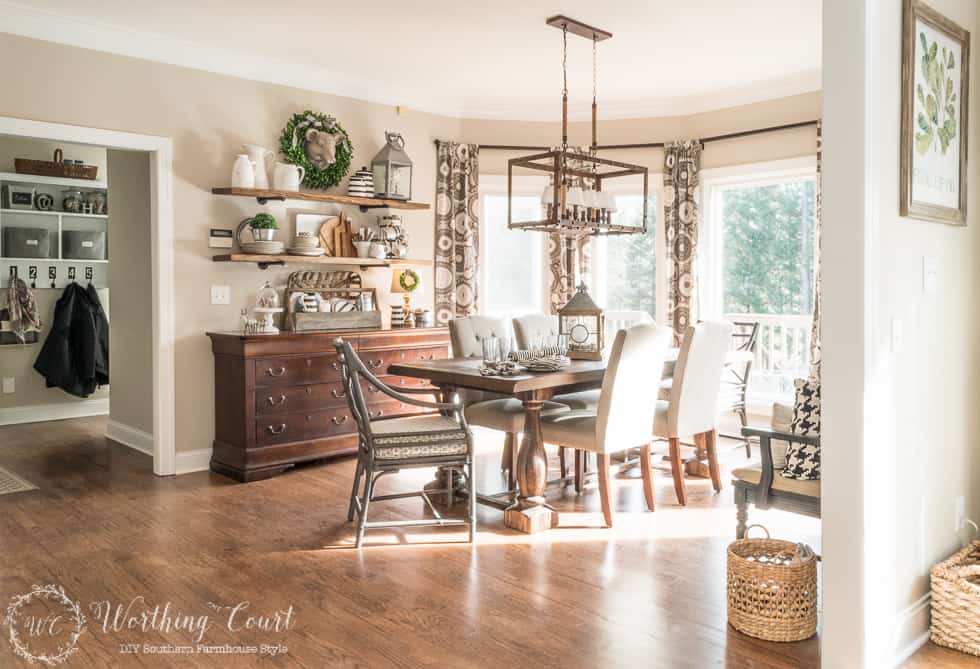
32 275
53 274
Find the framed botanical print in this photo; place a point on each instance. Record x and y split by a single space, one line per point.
935 95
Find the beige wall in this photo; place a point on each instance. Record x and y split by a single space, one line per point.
754 149
208 116
131 329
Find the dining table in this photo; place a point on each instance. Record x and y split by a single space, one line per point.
529 512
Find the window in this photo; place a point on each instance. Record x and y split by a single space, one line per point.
512 280
626 264
757 264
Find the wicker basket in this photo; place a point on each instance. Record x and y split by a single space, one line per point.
55 168
956 601
772 589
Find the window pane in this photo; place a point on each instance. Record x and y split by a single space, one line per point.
768 264
512 262
631 260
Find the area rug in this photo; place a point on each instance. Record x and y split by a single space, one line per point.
10 482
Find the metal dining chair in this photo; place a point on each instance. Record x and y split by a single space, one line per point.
388 445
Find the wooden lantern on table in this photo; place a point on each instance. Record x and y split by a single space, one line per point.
583 322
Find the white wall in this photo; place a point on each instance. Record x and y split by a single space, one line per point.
899 425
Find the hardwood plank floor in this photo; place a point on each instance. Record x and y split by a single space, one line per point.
649 592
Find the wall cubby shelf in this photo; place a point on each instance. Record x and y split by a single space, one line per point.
264 261
365 203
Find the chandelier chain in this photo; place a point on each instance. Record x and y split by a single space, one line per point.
595 69
564 60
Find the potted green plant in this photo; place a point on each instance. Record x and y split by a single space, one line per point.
263 227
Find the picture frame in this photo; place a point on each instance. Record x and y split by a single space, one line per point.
935 116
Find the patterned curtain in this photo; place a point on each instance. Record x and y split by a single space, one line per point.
457 230
815 343
565 278
682 164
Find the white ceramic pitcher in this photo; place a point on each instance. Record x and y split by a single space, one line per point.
243 172
287 177
259 156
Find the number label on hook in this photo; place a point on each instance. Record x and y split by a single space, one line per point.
88 273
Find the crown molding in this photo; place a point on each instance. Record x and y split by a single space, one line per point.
25 21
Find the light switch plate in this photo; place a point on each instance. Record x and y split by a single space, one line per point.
8 385
930 274
220 294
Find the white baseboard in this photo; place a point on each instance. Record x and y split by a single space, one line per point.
38 413
193 461
911 629
126 435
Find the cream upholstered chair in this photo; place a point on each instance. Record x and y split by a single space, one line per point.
693 405
492 410
627 404
615 321
526 328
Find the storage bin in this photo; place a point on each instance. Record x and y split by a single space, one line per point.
26 243
772 589
955 584
82 245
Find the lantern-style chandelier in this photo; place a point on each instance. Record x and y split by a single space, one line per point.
574 203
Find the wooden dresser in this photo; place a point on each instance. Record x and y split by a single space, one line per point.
279 400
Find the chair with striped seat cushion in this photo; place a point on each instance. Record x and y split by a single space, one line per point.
387 445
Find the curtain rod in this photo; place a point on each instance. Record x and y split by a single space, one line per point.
655 145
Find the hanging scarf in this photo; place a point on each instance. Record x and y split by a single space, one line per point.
23 309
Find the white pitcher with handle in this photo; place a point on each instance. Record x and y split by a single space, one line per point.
259 155
243 172
287 177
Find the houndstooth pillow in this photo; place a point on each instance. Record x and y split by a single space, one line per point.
803 460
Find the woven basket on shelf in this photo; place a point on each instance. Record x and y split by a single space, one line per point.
772 589
55 168
955 587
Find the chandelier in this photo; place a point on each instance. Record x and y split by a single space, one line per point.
574 203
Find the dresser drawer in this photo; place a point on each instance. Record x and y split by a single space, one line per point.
378 361
291 371
284 428
312 397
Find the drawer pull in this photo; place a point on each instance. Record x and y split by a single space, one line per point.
377 414
275 402
373 389
277 372
339 420
425 358
375 363
338 395
272 429
335 366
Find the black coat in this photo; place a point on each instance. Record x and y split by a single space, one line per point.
75 356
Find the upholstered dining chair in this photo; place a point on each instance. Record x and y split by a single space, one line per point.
492 410
388 445
693 405
627 403
526 328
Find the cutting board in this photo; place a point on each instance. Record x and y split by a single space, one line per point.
328 231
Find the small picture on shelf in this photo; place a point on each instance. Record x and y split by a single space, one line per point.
18 197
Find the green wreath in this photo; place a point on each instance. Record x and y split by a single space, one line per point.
293 141
409 280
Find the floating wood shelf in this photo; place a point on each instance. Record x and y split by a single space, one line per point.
364 203
264 261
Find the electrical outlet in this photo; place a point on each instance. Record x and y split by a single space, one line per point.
8 385
960 513
220 294
897 335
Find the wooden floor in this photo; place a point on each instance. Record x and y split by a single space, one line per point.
648 593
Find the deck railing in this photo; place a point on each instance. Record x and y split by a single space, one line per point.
781 354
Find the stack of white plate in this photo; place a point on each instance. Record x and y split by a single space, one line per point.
272 248
305 244
361 183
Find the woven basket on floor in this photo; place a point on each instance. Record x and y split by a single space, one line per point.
956 601
772 589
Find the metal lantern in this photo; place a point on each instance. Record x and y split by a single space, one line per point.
583 322
392 170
